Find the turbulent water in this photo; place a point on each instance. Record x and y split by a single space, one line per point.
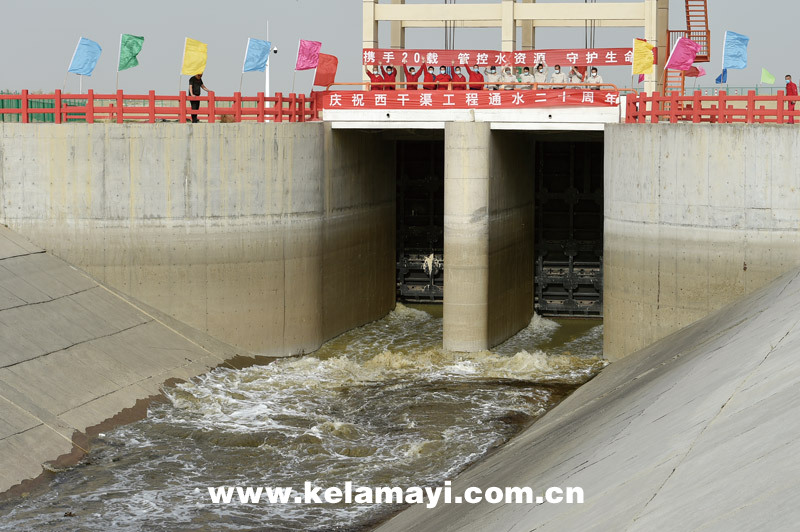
382 405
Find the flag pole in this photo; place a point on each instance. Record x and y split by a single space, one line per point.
70 64
315 77
119 56
80 84
244 62
183 55
266 69
297 55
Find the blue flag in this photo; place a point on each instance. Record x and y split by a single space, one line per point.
734 52
85 57
256 56
722 78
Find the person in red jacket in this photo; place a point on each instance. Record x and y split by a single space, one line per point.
791 90
412 77
389 76
475 78
459 81
376 80
443 79
429 78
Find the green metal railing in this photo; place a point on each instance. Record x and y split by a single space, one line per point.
36 104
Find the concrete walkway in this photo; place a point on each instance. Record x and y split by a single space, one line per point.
74 354
700 431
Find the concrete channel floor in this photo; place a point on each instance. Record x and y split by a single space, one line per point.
700 431
74 354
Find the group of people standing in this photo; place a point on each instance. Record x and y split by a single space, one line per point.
385 78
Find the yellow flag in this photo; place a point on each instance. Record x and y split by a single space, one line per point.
195 54
642 57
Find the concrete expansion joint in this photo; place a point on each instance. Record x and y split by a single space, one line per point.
52 299
160 322
76 343
39 252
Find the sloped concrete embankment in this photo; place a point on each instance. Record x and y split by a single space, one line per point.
699 431
75 354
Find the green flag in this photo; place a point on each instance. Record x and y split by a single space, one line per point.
129 48
766 77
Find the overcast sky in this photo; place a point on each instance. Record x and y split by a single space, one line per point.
38 38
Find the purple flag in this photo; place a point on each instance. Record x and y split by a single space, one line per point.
683 54
308 55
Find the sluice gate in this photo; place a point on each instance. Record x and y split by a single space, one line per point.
420 220
567 172
569 228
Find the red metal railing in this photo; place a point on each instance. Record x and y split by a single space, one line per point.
150 108
721 109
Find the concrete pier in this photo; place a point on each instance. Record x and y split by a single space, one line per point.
696 432
488 236
695 217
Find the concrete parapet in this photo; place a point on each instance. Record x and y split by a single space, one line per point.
695 217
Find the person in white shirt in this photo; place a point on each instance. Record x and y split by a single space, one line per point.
507 79
558 77
492 78
575 76
594 78
527 78
540 76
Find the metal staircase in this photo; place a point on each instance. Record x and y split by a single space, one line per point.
696 30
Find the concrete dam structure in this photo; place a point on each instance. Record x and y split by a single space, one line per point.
276 237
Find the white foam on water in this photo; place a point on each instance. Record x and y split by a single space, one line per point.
381 405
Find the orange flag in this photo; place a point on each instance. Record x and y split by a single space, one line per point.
326 70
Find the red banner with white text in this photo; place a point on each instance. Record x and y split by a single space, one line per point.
578 57
501 99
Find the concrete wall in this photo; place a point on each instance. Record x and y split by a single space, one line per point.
511 234
75 354
695 217
488 237
359 238
227 227
697 432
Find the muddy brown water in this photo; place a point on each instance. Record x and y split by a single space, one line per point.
382 405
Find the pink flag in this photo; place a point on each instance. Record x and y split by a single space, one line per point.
307 55
683 54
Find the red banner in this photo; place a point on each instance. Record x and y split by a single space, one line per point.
578 56
501 99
